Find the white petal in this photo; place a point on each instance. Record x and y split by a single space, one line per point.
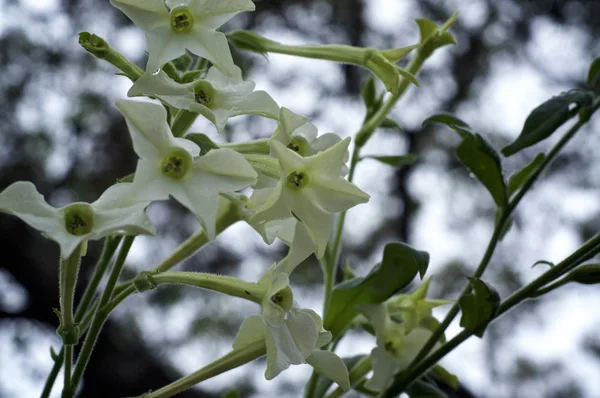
273 314
324 142
215 13
22 199
324 338
384 367
287 351
377 315
227 162
163 46
330 365
290 121
282 229
220 81
116 196
256 103
289 160
277 361
160 84
411 345
145 14
127 220
149 184
192 148
329 162
302 246
335 195
251 330
318 222
275 207
147 123
198 194
303 330
213 46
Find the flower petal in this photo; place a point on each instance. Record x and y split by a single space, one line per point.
329 364
301 247
215 13
329 162
149 184
318 222
384 367
213 46
289 160
147 123
377 315
145 14
161 84
335 195
251 330
255 103
303 330
283 350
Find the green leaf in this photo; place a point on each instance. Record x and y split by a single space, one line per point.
594 72
231 394
399 266
368 93
478 307
394 161
427 28
450 379
396 54
324 383
422 389
451 121
483 161
548 117
390 124
202 140
588 274
477 155
517 180
408 76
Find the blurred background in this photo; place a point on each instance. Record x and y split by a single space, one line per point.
61 131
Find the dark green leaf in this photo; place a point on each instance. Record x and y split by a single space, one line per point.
548 117
395 161
594 72
399 266
202 140
483 161
422 389
324 383
451 121
517 180
479 307
588 274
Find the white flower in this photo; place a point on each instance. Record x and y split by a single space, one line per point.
113 213
166 165
172 26
298 134
292 335
311 190
396 347
216 97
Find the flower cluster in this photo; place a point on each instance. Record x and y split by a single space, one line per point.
298 182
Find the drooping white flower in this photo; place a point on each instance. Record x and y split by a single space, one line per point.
167 166
292 335
216 97
112 214
311 190
396 346
172 26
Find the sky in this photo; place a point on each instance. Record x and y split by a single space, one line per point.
515 87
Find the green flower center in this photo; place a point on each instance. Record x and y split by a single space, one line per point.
182 20
79 219
284 298
176 164
300 146
297 179
204 93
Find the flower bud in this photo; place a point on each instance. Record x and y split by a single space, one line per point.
588 274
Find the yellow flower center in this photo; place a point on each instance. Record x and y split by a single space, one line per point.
204 93
176 164
182 20
297 179
300 146
79 219
284 298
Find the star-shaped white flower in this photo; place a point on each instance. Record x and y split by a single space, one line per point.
292 335
298 134
112 214
216 97
396 347
167 166
311 190
172 26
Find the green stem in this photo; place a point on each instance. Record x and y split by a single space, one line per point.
100 316
183 121
260 146
504 217
69 269
118 299
230 361
68 355
362 136
219 283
